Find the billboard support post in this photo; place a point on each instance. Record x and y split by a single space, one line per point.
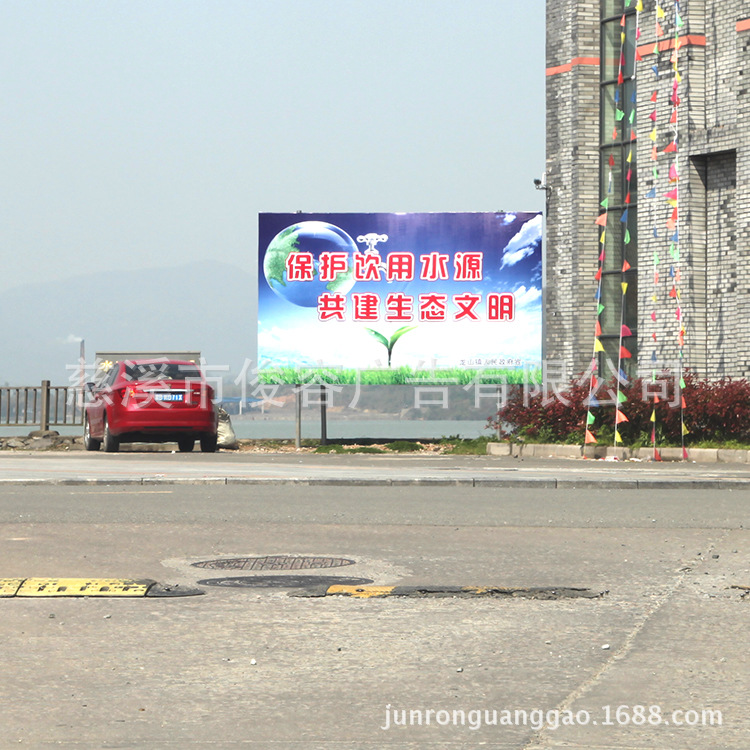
298 416
323 418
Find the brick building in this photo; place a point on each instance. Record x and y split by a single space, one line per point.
648 185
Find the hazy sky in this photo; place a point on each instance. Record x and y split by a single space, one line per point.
150 134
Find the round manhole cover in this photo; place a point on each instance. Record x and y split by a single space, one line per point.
284 581
275 562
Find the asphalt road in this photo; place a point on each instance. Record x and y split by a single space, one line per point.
247 665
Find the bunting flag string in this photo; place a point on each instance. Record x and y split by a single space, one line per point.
623 352
672 223
659 17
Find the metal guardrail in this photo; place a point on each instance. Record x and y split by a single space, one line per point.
44 405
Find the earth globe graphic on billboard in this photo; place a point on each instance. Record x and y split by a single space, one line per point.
314 237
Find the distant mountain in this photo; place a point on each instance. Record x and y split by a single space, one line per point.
210 307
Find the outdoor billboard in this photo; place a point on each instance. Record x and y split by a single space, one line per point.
388 298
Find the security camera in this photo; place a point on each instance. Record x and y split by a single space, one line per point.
537 182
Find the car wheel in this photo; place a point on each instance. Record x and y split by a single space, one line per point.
208 443
186 444
89 443
111 443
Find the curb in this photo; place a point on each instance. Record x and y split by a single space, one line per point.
677 483
556 450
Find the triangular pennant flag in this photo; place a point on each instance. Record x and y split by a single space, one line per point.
620 417
590 418
624 353
589 437
624 286
593 400
671 148
671 195
682 383
604 203
600 309
626 238
598 346
657 455
673 292
621 397
618 437
653 416
684 454
625 331
624 217
602 220
598 328
598 274
683 404
625 266
673 176
685 430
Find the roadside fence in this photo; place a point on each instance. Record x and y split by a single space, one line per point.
44 405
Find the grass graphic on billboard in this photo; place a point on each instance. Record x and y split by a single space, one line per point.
400 376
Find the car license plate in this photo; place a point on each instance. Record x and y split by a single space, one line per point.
168 396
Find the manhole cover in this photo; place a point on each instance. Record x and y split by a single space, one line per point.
284 582
275 562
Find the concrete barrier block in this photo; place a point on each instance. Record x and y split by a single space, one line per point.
671 454
727 456
621 454
592 450
703 455
498 449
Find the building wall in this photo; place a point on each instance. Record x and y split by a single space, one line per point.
713 162
573 180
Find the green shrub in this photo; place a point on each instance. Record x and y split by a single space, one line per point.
403 446
713 411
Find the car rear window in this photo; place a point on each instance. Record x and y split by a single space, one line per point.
161 371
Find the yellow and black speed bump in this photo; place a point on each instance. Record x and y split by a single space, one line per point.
119 587
497 592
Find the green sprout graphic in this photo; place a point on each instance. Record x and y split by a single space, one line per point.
389 344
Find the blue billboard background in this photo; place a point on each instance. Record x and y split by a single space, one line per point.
294 334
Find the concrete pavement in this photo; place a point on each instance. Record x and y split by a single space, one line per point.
80 468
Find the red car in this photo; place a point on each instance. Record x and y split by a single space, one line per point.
151 401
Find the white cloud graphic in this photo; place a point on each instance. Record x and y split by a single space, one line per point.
523 243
